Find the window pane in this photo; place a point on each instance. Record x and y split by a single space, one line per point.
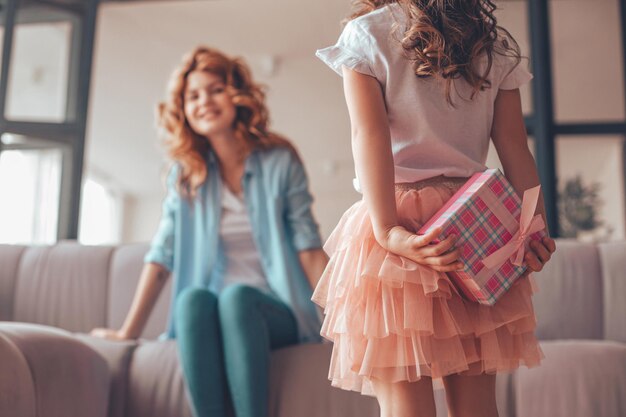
38 72
591 186
42 71
31 181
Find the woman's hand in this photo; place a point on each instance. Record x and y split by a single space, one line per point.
110 334
442 256
539 254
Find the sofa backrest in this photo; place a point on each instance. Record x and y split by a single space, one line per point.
62 285
126 265
581 292
613 264
569 302
75 287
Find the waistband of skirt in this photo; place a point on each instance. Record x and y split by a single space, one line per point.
438 181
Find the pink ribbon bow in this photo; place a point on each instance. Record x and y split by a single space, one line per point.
527 226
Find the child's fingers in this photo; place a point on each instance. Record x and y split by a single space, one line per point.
456 266
541 251
447 259
427 238
438 248
549 243
533 262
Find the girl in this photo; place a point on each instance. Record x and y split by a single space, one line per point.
427 83
237 233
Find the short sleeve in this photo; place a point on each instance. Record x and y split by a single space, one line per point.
302 226
515 75
354 49
162 246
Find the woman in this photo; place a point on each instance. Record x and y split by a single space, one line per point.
236 232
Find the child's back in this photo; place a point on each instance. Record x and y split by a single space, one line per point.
394 316
429 136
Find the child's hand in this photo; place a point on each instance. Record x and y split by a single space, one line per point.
539 254
442 256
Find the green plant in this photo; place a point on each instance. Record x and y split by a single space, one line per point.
578 207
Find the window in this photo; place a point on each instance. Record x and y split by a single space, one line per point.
29 183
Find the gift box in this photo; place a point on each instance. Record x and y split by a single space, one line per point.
494 229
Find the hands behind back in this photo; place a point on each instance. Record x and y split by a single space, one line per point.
539 253
442 256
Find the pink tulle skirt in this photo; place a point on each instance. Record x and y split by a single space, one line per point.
394 320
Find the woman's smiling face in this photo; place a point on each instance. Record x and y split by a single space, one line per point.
208 107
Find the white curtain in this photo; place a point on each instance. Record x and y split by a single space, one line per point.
29 195
100 212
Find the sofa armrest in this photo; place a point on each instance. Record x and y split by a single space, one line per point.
118 355
51 373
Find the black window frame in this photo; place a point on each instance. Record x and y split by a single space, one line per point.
68 135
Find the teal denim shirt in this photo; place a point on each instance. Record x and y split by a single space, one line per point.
276 193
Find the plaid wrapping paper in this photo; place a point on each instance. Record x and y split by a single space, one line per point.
485 215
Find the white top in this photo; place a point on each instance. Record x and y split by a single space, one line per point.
243 262
428 136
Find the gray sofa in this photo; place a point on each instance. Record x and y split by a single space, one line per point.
51 296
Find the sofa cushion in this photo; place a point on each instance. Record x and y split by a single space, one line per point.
156 387
126 265
578 378
10 257
613 258
63 286
117 355
569 304
299 386
68 377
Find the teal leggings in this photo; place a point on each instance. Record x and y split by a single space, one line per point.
228 338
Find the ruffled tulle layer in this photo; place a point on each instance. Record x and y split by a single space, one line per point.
395 320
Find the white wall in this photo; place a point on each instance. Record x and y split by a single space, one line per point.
141 218
139 44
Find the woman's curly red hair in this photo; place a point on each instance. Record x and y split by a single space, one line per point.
191 150
446 38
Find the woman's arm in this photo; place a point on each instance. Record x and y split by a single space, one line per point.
301 223
371 146
151 282
509 137
313 263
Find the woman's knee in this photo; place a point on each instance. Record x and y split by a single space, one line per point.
238 302
195 302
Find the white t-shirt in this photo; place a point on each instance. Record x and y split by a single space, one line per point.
428 136
243 262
